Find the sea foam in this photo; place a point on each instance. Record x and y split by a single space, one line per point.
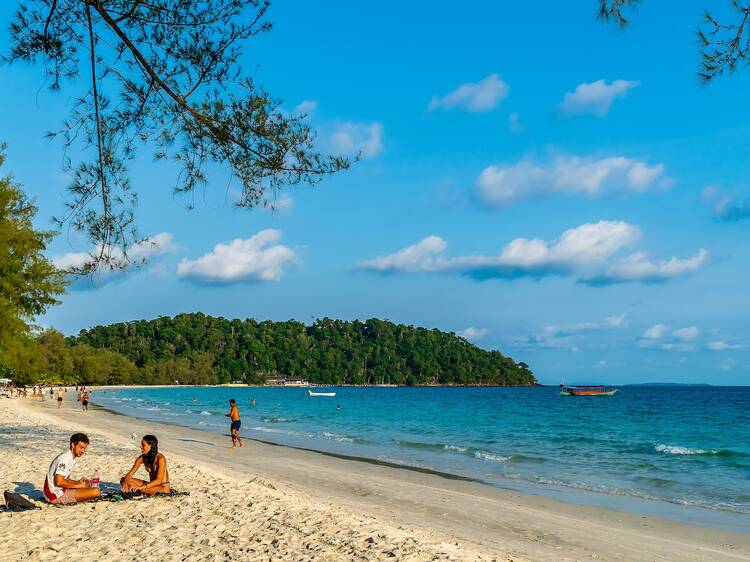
677 450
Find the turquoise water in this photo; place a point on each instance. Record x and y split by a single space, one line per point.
679 446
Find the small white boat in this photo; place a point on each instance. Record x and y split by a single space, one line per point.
311 393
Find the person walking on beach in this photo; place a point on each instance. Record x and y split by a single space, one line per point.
234 415
85 401
59 488
60 395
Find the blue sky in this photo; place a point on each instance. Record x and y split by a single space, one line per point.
538 182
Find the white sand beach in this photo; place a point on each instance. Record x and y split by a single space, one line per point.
266 502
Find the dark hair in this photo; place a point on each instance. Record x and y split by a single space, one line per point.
149 459
79 438
231 401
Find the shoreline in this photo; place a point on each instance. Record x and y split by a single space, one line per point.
470 513
627 503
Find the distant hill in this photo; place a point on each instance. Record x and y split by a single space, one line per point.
200 349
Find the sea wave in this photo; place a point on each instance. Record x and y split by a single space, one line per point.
485 456
480 454
678 450
205 413
282 431
337 437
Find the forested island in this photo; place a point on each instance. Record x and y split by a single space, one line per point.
200 349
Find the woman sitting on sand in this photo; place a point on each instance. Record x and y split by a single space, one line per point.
156 466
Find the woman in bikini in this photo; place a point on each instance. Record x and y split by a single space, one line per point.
155 464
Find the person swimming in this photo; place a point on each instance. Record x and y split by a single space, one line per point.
155 464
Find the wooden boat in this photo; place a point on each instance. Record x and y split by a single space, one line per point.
587 390
311 393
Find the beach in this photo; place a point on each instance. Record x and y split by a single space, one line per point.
267 502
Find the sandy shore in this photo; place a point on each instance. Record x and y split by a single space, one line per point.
265 502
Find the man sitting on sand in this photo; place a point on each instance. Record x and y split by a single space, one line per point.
155 464
58 487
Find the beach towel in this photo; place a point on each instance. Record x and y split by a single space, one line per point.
125 496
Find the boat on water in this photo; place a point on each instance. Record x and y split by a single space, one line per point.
566 390
311 393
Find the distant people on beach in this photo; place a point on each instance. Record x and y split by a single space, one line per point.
59 488
60 395
85 401
155 464
234 415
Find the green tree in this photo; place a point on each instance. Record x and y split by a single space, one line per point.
200 349
29 283
174 69
58 358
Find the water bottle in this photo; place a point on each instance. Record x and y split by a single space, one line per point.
95 479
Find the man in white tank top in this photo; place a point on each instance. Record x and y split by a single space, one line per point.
58 487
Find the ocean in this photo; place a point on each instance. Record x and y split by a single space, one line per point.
680 452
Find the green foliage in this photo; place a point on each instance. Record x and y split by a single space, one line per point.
614 10
724 41
168 75
29 283
200 349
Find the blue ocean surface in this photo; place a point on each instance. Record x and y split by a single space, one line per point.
687 447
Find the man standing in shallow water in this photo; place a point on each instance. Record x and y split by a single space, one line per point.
234 415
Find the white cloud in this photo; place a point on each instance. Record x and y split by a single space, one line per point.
637 267
423 256
73 260
571 335
687 334
727 365
252 260
279 203
677 346
474 97
137 255
514 123
726 206
307 107
594 98
660 336
721 345
617 321
501 184
353 138
473 334
576 249
655 332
